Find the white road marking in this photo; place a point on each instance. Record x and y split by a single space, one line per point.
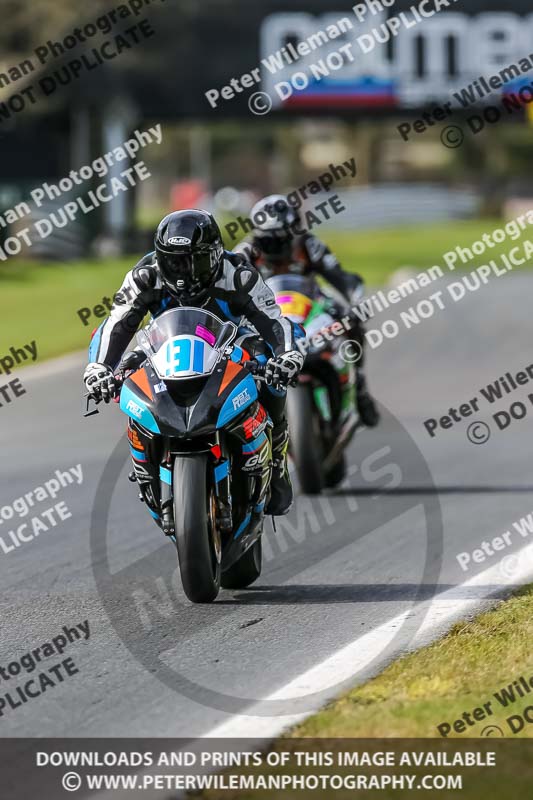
437 614
442 612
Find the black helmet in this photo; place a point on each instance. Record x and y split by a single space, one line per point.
189 251
274 220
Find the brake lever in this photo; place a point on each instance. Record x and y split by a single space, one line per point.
88 413
120 377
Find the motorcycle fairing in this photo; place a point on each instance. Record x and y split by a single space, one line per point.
186 410
242 396
134 406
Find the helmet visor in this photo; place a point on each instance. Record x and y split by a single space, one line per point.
186 272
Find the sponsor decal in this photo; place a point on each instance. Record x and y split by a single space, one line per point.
241 399
381 80
255 425
135 409
256 460
179 240
135 441
160 387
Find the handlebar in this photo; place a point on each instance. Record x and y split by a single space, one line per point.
258 371
120 377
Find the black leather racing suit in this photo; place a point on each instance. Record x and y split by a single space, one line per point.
311 256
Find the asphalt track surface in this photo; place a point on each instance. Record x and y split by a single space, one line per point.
337 569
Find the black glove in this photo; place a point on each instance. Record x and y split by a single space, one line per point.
100 382
281 370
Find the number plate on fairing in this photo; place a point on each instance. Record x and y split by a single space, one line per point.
185 357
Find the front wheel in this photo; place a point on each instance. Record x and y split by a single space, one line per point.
246 570
197 538
305 439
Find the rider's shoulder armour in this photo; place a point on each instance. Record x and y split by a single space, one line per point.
245 278
236 258
315 249
145 275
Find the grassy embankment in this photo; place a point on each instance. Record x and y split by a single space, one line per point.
438 684
40 301
463 671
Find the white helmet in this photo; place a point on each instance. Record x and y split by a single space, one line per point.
274 220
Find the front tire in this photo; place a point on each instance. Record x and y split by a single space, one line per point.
246 570
306 439
197 539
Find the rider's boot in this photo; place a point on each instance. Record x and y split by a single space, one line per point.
366 405
280 484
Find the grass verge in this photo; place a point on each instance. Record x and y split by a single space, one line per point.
376 254
40 301
474 665
468 668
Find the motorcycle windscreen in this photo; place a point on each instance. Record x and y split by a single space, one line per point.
185 342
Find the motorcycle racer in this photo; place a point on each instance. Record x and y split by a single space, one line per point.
279 244
189 267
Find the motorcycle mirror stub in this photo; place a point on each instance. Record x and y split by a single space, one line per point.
132 360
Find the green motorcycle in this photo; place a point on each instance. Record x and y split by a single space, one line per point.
321 408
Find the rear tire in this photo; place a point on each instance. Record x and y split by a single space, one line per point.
196 536
246 570
306 439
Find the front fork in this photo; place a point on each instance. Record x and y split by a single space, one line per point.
251 461
220 466
252 457
167 498
221 473
252 447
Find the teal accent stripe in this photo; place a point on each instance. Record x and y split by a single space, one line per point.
137 454
221 471
224 307
95 343
198 357
255 444
165 475
228 412
142 412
